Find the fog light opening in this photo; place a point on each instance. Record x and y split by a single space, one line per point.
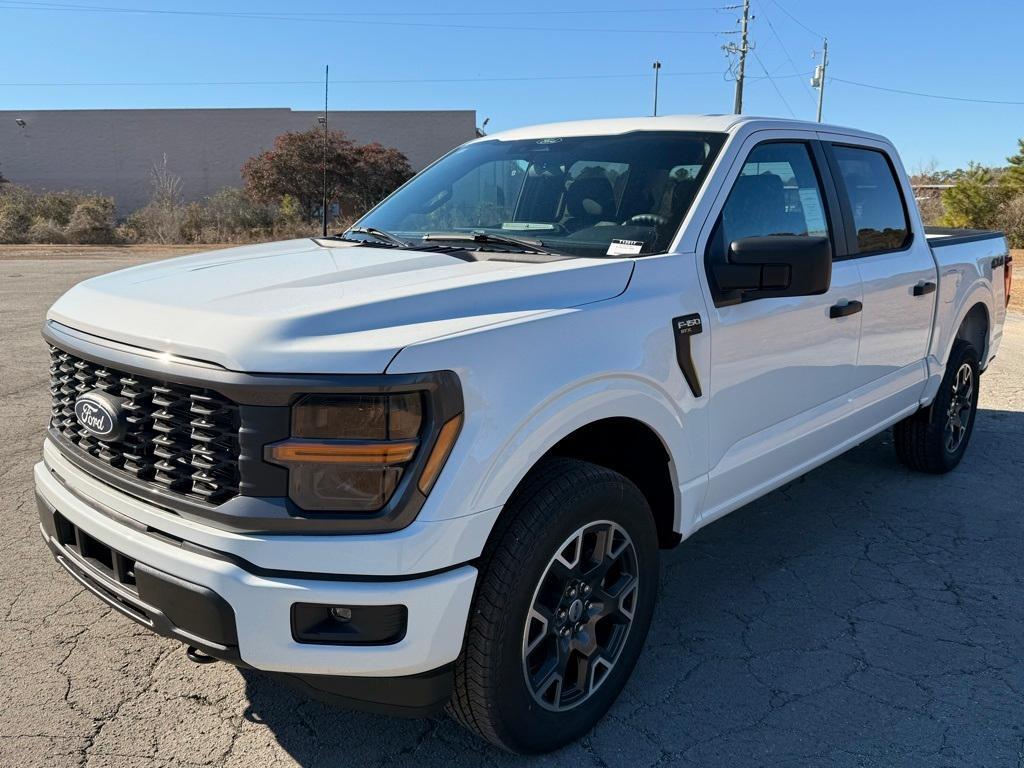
341 613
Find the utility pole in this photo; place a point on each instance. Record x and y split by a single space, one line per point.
742 49
327 72
657 69
818 81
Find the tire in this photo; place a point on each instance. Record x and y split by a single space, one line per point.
935 438
564 512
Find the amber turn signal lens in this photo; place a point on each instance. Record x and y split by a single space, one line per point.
438 456
343 453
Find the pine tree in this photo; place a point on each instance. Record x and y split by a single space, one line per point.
974 200
1013 178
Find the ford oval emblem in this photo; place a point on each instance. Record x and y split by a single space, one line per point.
98 413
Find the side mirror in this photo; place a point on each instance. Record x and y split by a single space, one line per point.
775 265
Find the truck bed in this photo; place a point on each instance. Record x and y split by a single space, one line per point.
971 265
939 237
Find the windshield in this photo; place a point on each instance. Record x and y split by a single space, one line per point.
582 195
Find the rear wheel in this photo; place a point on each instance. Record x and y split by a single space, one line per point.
564 600
935 438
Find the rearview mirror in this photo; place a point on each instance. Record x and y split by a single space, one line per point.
775 265
436 201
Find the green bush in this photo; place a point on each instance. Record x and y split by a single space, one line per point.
1010 220
17 208
46 231
92 221
228 215
974 201
55 217
158 222
58 207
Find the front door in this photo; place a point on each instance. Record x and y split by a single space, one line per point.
781 368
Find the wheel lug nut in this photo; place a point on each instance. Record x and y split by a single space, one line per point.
586 589
564 632
578 627
562 613
572 592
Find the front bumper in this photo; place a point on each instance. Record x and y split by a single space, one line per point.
179 579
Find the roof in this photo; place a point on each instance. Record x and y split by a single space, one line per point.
700 123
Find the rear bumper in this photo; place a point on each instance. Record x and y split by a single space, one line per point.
208 600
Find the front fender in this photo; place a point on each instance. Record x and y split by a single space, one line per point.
575 407
529 382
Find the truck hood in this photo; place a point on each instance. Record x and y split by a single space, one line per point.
303 306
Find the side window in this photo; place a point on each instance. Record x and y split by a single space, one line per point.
777 193
879 215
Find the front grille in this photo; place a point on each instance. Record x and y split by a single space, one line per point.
179 438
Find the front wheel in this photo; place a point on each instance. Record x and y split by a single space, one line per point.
935 438
564 600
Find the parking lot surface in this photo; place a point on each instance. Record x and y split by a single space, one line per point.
861 616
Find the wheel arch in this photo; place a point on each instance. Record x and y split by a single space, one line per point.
631 448
630 430
974 327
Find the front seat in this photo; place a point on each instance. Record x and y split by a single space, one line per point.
756 206
588 201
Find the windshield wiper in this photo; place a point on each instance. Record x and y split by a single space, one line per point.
486 238
381 235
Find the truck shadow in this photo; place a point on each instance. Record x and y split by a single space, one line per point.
847 616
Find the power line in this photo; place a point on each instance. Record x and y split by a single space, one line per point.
27 5
774 84
785 50
795 20
925 95
351 82
315 14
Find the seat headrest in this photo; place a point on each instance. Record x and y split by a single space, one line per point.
590 197
756 206
682 194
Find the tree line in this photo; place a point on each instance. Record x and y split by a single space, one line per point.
282 196
980 197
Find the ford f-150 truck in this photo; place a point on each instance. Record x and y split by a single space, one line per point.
431 460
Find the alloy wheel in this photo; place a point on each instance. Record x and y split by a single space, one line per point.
580 615
961 404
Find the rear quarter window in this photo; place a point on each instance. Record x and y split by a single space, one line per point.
879 214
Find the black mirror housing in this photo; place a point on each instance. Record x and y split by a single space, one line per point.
775 266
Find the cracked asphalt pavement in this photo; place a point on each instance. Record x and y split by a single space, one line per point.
861 616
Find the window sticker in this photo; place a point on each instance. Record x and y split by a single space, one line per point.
814 214
624 247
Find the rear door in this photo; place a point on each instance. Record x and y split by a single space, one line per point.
897 270
781 367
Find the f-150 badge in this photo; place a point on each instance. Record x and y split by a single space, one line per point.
683 328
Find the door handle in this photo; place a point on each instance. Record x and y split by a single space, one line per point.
845 310
924 288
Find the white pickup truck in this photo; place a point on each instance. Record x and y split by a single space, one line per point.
432 460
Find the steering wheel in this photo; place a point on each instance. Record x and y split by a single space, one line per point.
646 220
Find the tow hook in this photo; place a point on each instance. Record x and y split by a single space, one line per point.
198 657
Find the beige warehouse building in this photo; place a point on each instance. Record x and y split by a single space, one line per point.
113 151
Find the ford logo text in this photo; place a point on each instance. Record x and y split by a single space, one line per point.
97 415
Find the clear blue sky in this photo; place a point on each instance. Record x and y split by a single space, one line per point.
943 47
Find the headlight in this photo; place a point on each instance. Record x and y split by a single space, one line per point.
350 452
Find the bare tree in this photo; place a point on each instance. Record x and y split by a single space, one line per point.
162 218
